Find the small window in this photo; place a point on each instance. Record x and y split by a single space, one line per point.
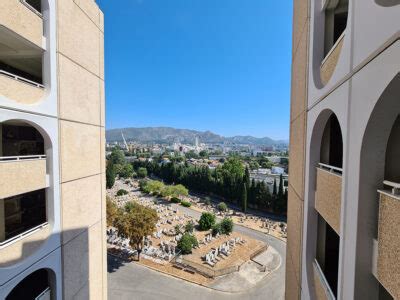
335 23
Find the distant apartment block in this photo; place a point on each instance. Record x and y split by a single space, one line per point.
344 199
52 183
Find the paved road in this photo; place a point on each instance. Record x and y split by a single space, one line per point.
132 281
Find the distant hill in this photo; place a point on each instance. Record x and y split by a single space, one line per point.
170 135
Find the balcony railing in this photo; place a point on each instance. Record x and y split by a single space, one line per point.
322 288
34 10
23 157
328 194
45 295
331 169
22 79
22 235
388 264
330 61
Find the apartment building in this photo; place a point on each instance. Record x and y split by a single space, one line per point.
344 199
52 183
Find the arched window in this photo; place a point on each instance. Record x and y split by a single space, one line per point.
34 286
336 14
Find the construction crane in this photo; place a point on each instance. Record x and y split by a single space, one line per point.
126 144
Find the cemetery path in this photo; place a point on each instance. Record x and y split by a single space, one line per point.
133 281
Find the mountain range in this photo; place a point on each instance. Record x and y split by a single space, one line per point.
170 135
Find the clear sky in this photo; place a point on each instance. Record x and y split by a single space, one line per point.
219 65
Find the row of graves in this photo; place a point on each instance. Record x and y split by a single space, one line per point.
223 251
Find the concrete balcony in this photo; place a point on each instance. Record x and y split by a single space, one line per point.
330 61
19 89
22 19
321 286
22 174
388 262
328 194
23 245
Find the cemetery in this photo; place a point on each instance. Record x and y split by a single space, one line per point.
214 256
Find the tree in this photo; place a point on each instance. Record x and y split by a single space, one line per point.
207 220
244 198
274 190
189 227
203 153
117 156
110 175
142 172
226 226
280 189
122 192
186 243
222 206
112 211
135 223
216 229
126 171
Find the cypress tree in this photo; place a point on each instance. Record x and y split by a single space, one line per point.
110 175
244 198
274 191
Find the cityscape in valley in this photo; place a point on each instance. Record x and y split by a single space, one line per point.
212 203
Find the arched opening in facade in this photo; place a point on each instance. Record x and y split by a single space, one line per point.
336 15
322 240
23 202
328 198
379 200
38 285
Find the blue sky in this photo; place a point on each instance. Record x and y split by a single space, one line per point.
219 65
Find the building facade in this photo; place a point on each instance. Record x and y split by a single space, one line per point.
344 199
52 143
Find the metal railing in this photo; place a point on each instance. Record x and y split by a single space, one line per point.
30 7
22 157
22 79
394 185
335 45
325 283
330 169
44 295
23 235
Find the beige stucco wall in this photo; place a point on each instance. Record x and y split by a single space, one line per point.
82 148
389 244
328 197
298 125
18 18
19 250
19 91
22 177
329 64
82 207
83 265
79 93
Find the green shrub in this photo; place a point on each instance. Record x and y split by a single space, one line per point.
207 220
186 243
186 204
189 227
122 192
175 200
226 226
222 206
142 172
216 229
207 200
